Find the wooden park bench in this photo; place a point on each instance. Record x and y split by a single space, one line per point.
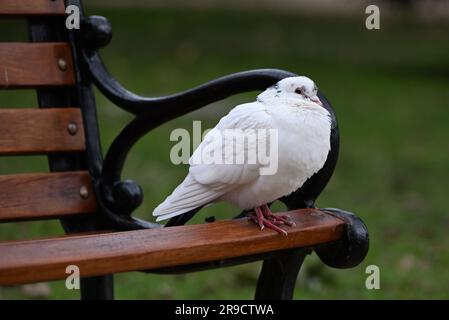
84 190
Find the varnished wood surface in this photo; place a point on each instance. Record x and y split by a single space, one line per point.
44 195
40 131
47 259
24 65
31 7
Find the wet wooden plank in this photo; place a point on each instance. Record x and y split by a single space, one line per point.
31 7
25 65
45 195
41 131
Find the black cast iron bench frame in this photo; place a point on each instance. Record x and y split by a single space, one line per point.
117 199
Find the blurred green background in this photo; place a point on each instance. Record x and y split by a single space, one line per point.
388 86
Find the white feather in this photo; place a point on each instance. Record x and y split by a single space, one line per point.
187 196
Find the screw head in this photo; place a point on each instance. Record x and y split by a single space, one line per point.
62 64
84 192
72 128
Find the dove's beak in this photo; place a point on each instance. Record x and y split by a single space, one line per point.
317 100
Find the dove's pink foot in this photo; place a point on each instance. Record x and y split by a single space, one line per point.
265 218
280 219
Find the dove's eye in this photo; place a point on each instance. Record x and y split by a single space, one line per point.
299 90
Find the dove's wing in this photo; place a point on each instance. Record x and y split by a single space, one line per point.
231 140
208 180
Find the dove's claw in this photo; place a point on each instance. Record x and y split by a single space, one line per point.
271 225
264 218
260 218
284 219
257 221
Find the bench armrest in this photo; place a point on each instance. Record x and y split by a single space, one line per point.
106 253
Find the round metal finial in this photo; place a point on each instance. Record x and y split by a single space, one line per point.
84 192
97 32
128 196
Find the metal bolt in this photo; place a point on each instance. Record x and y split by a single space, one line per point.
84 193
62 64
72 128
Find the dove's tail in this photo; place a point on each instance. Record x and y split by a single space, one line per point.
187 196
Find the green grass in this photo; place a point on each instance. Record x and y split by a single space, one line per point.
390 90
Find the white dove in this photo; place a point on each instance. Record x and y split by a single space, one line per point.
293 110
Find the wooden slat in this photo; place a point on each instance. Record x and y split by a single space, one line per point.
24 65
32 7
42 260
44 195
40 131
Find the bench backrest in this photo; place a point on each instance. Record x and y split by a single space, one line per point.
55 129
